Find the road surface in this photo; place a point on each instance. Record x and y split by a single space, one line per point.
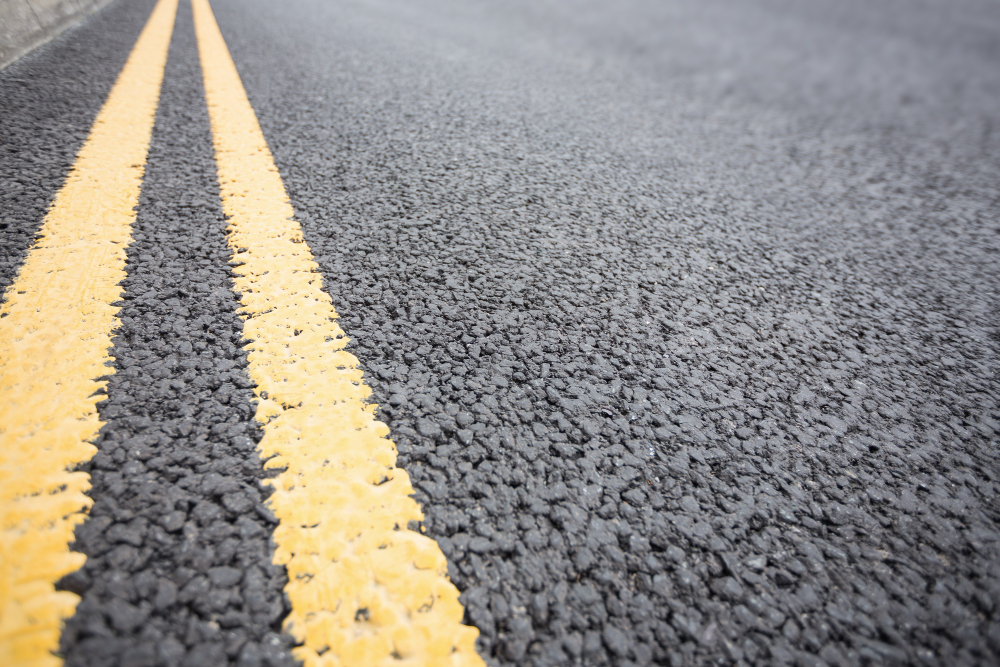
683 317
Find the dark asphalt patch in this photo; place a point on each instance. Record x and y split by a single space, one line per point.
178 569
657 333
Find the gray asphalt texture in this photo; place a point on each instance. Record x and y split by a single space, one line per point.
684 318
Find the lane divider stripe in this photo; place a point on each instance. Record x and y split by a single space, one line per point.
364 589
55 337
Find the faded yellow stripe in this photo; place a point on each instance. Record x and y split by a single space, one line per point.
55 334
365 590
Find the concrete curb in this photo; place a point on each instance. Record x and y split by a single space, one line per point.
27 24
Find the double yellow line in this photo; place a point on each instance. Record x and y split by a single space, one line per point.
364 589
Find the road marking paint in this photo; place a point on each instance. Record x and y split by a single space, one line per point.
55 335
365 590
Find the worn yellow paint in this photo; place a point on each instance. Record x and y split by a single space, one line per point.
55 334
364 589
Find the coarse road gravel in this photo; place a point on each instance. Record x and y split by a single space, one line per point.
683 316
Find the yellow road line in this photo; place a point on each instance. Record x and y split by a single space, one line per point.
365 590
55 334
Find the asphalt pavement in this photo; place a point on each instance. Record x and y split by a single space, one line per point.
683 317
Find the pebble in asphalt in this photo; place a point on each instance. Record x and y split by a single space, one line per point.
683 319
